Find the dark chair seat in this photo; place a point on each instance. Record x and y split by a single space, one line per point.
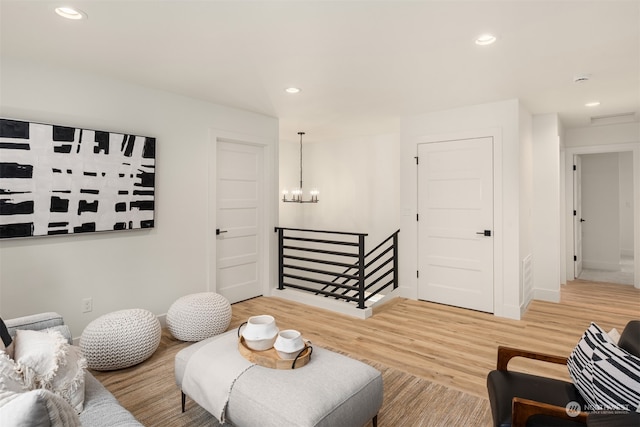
504 385
631 419
548 421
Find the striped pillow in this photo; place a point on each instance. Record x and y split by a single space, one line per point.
607 376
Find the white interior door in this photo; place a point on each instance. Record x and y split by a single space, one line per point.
240 220
577 216
455 223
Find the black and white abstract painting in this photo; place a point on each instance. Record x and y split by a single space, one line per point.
65 180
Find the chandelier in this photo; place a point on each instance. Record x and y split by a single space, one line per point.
296 195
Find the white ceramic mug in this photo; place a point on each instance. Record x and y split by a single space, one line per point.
289 343
260 332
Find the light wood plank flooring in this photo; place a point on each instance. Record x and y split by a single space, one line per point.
454 346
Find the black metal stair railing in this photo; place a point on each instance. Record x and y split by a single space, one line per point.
334 264
376 260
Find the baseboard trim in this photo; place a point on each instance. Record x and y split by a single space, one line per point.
598 265
163 319
395 293
320 302
509 311
546 295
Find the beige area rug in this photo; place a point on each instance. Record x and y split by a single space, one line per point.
413 401
150 393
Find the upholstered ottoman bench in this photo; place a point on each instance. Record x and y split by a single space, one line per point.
331 390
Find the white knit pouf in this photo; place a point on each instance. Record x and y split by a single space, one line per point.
198 316
120 339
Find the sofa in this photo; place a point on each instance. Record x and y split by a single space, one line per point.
100 407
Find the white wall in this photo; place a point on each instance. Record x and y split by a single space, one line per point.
600 209
290 214
547 255
501 119
359 182
603 135
626 203
149 268
526 179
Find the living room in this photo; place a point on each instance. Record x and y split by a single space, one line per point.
363 163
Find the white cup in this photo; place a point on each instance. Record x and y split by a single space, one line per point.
288 344
260 332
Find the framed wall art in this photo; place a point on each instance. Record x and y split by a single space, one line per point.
64 180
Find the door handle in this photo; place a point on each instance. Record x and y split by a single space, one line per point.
484 233
218 231
582 220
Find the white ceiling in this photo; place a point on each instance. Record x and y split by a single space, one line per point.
361 64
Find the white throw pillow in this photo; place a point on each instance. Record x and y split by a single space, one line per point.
47 361
38 354
69 381
10 378
36 408
23 409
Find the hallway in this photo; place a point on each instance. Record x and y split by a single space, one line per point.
624 276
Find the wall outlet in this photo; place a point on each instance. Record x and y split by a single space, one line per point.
87 305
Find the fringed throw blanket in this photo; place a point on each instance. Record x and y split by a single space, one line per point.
211 372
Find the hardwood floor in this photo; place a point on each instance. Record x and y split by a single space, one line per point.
453 346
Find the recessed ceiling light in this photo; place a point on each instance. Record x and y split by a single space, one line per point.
485 39
592 104
581 78
70 13
292 90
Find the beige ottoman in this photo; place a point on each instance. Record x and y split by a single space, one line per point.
120 339
198 316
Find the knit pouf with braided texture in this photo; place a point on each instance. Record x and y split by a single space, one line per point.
199 316
120 339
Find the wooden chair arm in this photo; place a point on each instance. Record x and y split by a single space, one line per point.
522 409
505 354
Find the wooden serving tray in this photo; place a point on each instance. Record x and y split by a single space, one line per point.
270 359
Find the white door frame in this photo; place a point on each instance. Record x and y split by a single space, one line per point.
270 218
577 222
568 220
499 306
